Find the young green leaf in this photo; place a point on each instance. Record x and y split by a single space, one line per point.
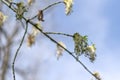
91 52
60 50
21 9
68 6
30 2
30 40
96 74
77 42
34 33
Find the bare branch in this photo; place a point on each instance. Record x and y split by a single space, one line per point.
58 33
51 5
13 63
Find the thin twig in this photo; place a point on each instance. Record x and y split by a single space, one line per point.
32 23
58 33
13 63
51 5
22 23
34 17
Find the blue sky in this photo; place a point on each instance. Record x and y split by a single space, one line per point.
99 19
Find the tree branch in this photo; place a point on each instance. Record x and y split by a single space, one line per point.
58 33
13 63
51 5
32 23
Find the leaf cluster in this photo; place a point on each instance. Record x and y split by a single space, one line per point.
81 47
20 10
